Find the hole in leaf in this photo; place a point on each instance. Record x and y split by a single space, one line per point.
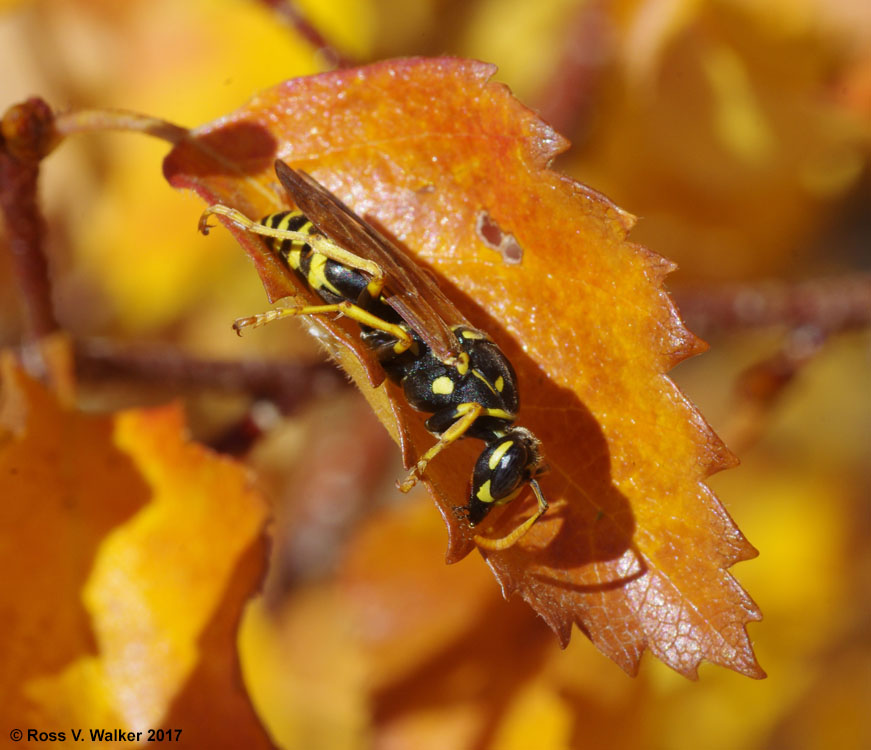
496 238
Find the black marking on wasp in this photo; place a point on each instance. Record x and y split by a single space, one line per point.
445 367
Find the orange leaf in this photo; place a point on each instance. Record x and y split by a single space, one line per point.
58 470
129 552
635 546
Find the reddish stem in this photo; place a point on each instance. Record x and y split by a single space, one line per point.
287 383
566 98
290 14
27 135
829 305
95 120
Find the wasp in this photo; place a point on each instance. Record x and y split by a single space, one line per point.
445 367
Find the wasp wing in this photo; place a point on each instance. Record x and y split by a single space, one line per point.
408 288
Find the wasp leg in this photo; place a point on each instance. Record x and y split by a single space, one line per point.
317 242
403 338
470 412
508 540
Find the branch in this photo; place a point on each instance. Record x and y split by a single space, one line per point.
760 387
287 383
811 311
566 99
287 11
27 135
30 130
828 305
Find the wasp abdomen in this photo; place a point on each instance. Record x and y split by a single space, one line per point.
332 281
288 250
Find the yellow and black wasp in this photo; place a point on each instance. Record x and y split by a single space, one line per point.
445 367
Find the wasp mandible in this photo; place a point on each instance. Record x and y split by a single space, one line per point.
445 367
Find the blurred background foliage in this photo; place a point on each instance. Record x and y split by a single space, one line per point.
738 131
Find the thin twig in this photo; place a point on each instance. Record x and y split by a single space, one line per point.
27 134
761 387
287 11
92 120
30 130
810 311
829 305
287 383
566 99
